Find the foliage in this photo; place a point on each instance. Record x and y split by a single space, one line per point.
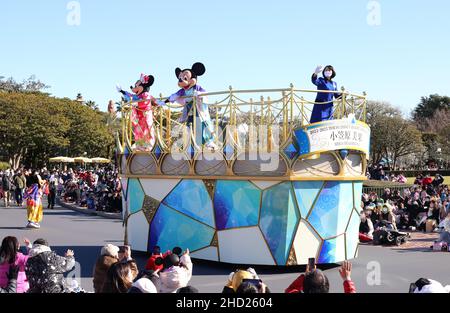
35 126
27 85
429 105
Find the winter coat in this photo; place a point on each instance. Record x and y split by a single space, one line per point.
176 276
102 266
19 181
22 281
45 270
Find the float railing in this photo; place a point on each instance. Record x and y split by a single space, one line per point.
269 113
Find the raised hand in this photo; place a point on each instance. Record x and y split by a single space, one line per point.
346 270
318 70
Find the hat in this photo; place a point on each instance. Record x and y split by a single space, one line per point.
238 277
110 250
145 285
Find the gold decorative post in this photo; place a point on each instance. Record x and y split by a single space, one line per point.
269 126
217 125
124 120
292 107
364 106
343 97
285 116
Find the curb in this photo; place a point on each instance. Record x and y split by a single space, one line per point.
116 216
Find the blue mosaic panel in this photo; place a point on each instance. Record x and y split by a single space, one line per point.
302 141
333 250
157 151
291 151
191 197
352 235
236 204
170 228
357 193
135 195
306 192
190 151
228 151
332 210
279 219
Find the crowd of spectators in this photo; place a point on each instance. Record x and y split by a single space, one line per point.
424 207
98 189
377 172
36 268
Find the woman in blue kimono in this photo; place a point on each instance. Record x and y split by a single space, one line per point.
323 109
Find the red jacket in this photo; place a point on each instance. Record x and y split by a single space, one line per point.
151 266
427 181
297 286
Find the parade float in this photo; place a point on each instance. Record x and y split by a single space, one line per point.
272 190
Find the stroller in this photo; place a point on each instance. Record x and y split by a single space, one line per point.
389 236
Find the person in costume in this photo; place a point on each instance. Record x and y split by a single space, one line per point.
190 91
323 107
142 112
33 195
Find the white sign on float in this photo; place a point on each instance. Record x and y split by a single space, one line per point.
334 135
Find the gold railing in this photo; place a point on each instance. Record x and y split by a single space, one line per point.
284 109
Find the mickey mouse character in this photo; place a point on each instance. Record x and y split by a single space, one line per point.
142 113
187 81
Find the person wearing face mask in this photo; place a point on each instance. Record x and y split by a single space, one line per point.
386 215
323 107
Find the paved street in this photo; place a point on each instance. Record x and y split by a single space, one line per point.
65 229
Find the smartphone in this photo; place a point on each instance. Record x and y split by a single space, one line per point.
255 282
312 263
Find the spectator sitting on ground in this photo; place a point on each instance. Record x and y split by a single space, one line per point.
10 256
366 226
178 274
315 281
45 269
387 217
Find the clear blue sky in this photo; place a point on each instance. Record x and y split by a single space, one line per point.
245 43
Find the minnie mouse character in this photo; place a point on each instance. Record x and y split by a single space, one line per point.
187 81
142 113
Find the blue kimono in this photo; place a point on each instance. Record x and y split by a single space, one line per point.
323 112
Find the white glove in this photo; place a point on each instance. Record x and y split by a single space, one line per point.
318 70
118 88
